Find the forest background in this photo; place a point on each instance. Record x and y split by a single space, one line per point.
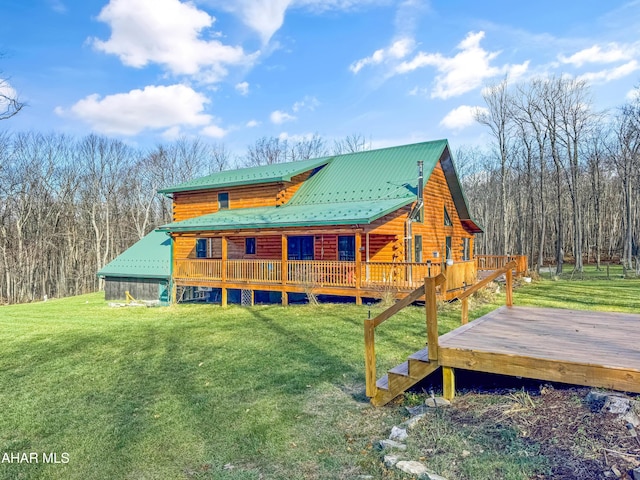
559 182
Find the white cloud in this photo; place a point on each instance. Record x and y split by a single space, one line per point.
461 117
252 123
611 53
633 95
278 117
307 103
172 133
57 6
154 107
6 92
610 74
213 131
296 138
396 51
465 71
266 17
242 88
167 32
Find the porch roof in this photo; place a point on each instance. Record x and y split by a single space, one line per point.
308 215
149 257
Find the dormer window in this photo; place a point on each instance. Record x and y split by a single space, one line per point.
447 219
223 201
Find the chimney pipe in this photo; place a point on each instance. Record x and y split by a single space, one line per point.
420 180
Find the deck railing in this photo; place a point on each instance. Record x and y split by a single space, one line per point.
261 271
324 273
321 273
428 291
496 262
199 269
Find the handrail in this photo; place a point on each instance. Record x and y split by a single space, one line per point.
507 270
428 290
405 302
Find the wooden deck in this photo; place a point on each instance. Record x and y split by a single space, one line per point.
598 349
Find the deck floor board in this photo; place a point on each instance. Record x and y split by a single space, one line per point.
581 346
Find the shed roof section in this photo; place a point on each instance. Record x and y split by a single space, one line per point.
344 213
150 257
384 174
247 176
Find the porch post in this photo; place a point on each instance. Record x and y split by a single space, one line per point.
223 292
368 259
285 269
358 260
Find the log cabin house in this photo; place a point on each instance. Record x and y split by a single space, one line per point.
365 224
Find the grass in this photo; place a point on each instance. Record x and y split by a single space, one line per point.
607 271
197 391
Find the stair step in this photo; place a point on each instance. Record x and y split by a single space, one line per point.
402 369
422 355
383 383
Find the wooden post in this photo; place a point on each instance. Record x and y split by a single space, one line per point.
465 311
370 358
432 316
223 275
448 383
358 272
509 300
284 272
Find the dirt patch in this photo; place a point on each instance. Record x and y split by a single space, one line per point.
554 423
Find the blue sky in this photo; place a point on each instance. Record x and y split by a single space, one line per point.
149 71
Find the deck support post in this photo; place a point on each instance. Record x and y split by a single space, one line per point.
370 358
284 272
358 266
509 293
448 383
432 316
223 273
465 311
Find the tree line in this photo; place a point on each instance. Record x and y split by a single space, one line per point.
560 182
70 205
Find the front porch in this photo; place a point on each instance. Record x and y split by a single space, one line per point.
323 277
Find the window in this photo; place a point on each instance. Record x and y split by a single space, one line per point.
448 255
466 249
300 247
223 201
346 248
418 246
447 218
201 248
250 246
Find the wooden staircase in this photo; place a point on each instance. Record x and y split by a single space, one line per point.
427 360
403 377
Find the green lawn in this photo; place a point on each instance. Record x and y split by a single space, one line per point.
203 392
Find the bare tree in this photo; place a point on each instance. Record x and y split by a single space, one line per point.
626 158
10 104
498 117
356 142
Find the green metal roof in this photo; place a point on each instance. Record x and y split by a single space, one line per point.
247 176
372 175
355 188
150 257
344 213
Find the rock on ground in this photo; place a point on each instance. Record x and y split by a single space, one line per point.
412 467
398 434
391 460
391 445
